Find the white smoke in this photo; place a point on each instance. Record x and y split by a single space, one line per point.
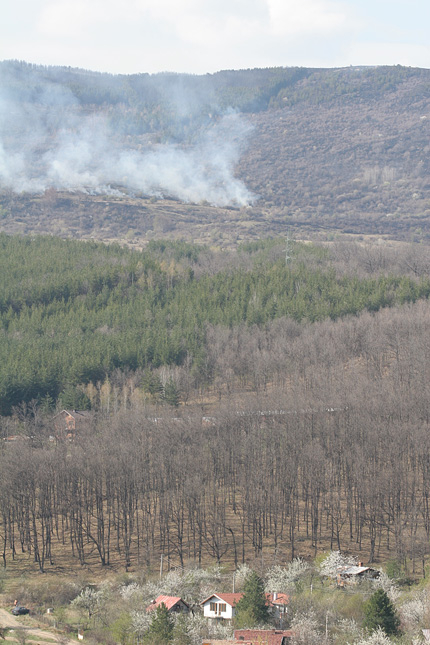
46 141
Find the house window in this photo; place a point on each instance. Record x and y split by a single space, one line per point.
213 606
222 607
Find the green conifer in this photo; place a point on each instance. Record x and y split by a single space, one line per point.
252 609
380 612
161 629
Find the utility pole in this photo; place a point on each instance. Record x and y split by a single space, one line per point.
161 566
287 249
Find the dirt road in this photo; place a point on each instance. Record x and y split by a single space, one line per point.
27 623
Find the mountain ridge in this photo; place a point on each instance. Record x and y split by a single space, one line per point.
322 150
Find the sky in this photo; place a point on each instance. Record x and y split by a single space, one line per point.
205 36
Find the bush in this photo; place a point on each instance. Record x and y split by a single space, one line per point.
52 593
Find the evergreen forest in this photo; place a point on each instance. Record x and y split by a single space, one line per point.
73 312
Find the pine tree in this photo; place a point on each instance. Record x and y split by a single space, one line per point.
181 634
380 612
171 394
161 629
252 609
73 398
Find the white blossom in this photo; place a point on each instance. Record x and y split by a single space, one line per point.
91 600
199 628
390 587
349 627
305 630
241 575
333 562
140 622
282 578
128 592
414 611
378 637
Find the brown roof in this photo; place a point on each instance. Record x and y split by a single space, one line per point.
76 414
262 636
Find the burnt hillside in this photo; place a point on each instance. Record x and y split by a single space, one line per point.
237 154
348 159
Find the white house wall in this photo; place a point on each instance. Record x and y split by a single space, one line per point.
225 615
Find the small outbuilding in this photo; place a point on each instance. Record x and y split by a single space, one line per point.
352 575
174 604
68 422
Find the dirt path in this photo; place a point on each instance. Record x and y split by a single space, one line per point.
27 623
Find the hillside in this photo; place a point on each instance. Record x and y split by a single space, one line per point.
131 158
73 313
254 397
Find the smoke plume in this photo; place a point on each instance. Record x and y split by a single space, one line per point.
48 139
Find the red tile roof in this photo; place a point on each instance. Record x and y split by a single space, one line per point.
281 599
169 601
230 598
233 598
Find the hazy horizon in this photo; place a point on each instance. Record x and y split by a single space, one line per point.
206 36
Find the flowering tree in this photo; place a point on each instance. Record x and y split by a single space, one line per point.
241 575
334 561
388 585
91 600
283 578
379 637
305 630
415 611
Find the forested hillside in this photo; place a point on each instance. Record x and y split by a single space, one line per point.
250 396
286 438
73 312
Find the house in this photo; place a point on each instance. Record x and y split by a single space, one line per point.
220 606
67 423
352 575
174 604
263 636
278 605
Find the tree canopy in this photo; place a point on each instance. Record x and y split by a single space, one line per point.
71 312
